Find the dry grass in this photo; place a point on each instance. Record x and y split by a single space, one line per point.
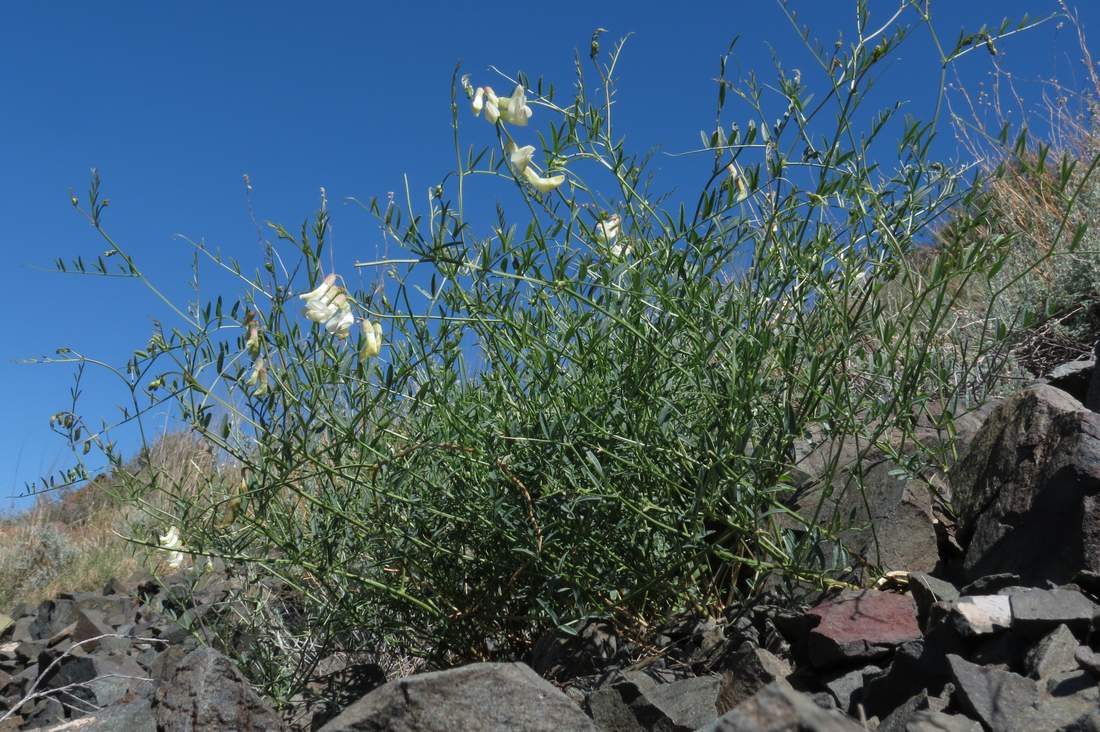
72 542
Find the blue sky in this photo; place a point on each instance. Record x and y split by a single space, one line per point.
174 102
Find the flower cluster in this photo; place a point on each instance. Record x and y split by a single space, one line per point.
515 111
328 304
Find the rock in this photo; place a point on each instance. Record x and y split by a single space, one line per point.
203 690
991 584
44 712
929 721
887 506
1001 700
1053 655
860 625
1073 377
1005 651
928 590
1092 395
916 712
21 631
680 706
779 708
1087 659
981 615
481 696
1038 611
101 680
133 716
90 624
1068 698
51 617
752 669
917 667
1031 473
847 686
560 656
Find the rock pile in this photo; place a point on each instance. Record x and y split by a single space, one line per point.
991 625
115 661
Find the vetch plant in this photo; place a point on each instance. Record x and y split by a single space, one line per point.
574 415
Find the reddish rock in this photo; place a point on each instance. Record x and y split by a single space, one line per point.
860 625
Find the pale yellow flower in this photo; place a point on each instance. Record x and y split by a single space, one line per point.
371 341
541 184
738 181
258 379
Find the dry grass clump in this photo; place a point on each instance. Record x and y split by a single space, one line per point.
73 541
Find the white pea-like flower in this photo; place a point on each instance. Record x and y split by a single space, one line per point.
171 542
543 184
519 157
492 105
328 305
607 230
514 109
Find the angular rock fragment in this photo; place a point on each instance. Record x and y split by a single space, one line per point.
860 625
1031 473
779 708
981 614
1053 655
927 591
1038 611
679 706
1001 700
752 669
203 690
481 696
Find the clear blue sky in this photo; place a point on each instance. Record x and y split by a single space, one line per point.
173 102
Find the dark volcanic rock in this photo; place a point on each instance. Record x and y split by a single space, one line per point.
1053 655
1039 611
779 708
1073 377
927 591
482 696
751 670
1032 473
204 691
680 706
1002 700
